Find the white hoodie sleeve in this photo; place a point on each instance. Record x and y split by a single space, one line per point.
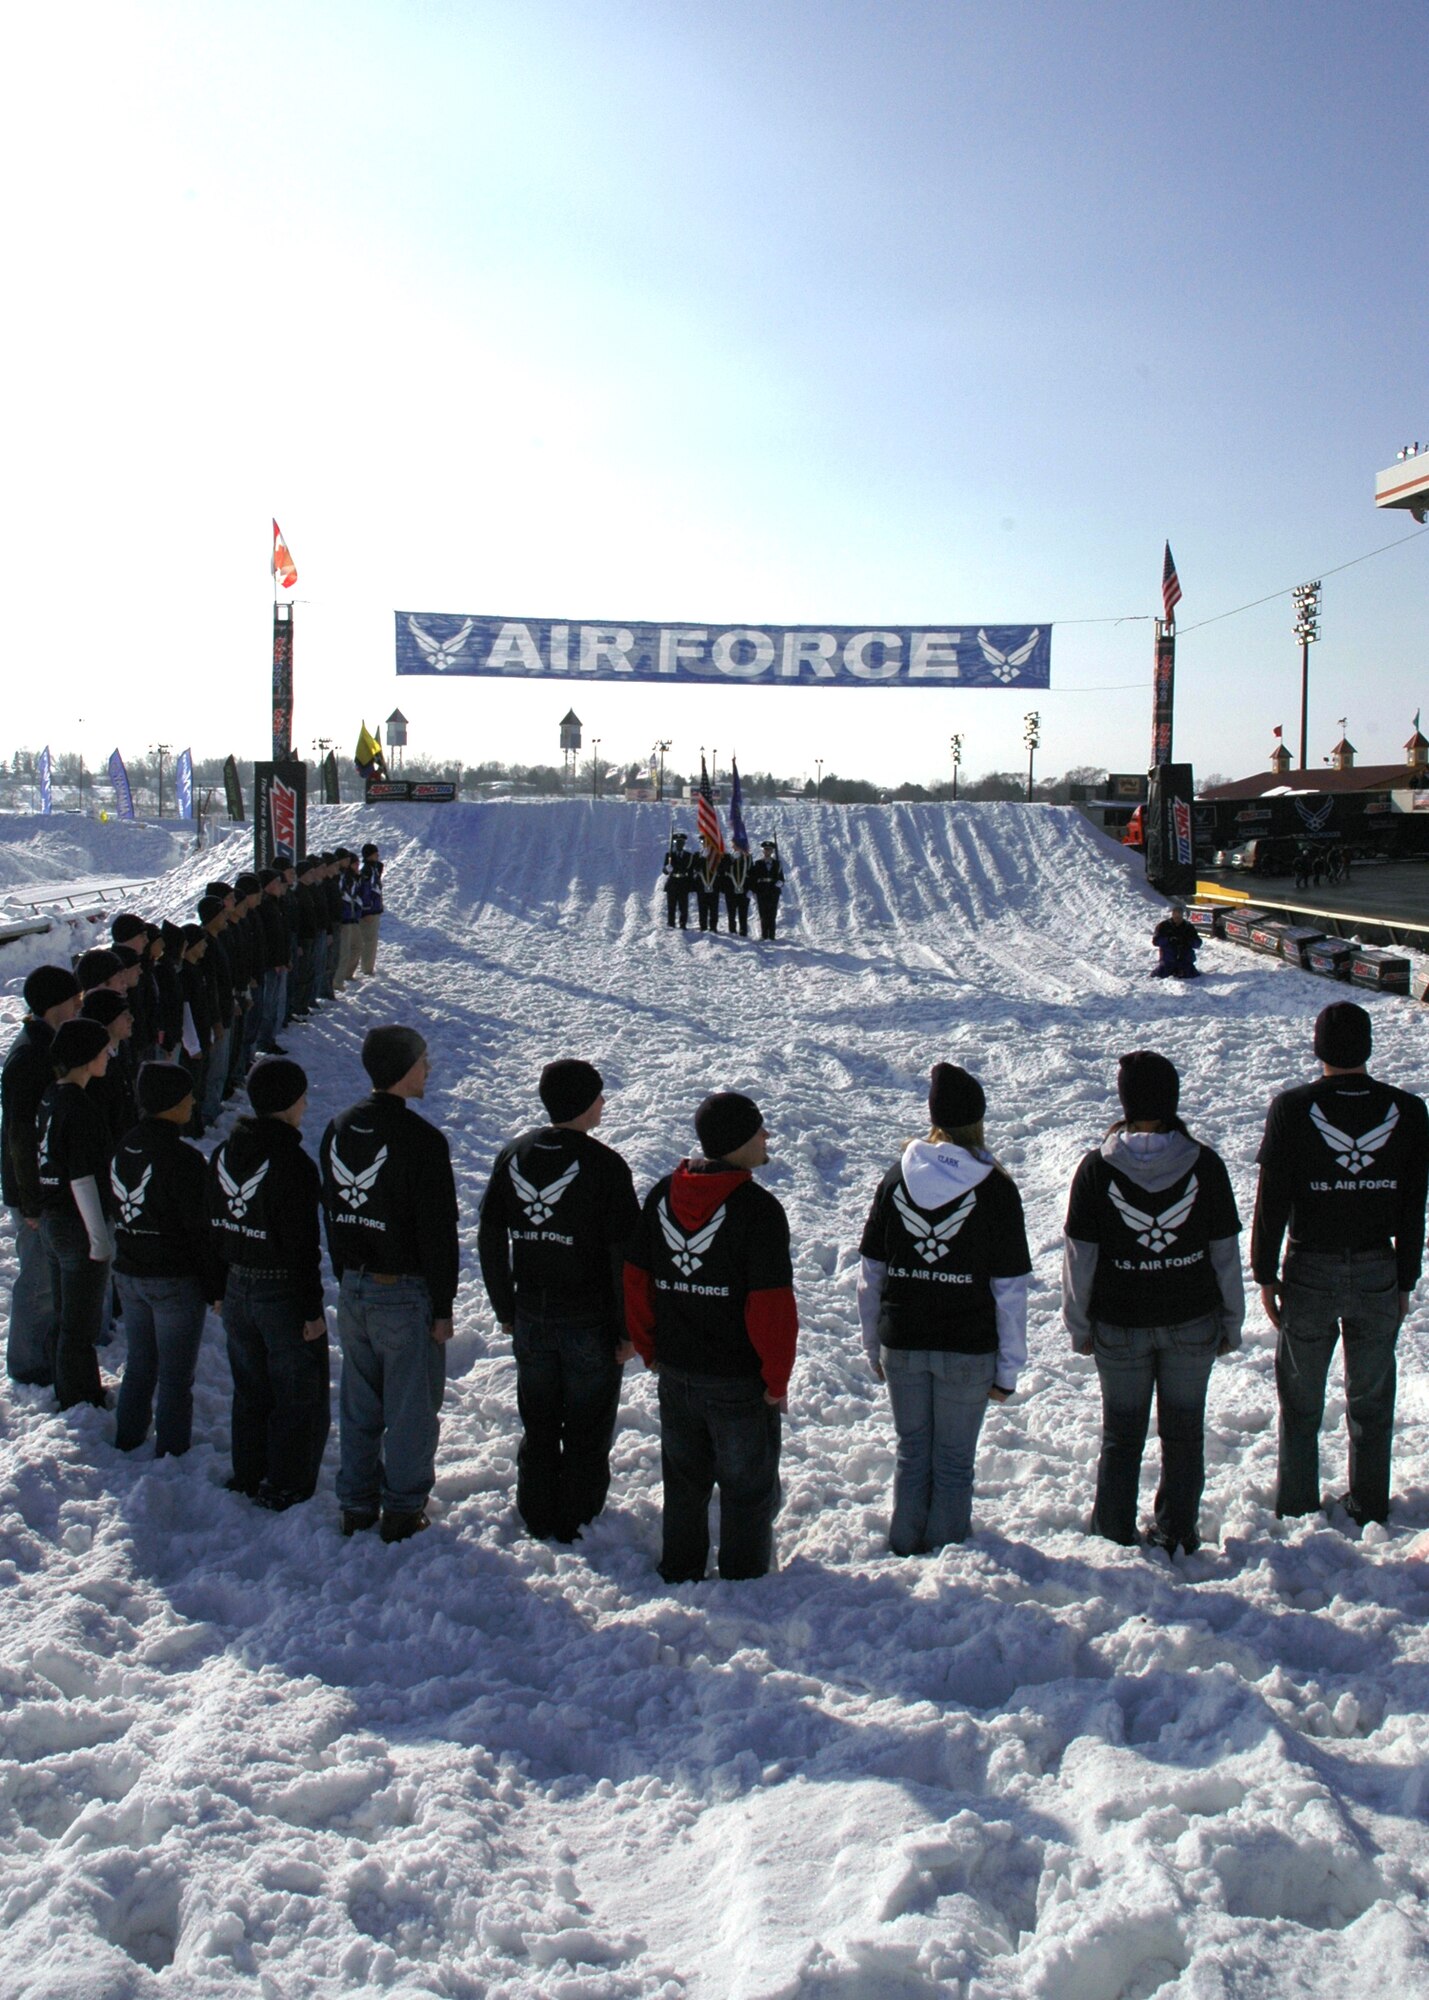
91 1209
1010 1298
872 1277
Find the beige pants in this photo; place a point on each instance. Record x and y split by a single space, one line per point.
347 948
368 927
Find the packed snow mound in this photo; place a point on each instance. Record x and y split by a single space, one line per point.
240 1756
41 848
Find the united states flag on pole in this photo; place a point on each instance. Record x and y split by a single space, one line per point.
1170 586
706 818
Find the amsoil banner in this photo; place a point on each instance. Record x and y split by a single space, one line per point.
1170 849
280 812
410 792
752 655
1163 697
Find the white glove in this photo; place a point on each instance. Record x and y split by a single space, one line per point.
91 1209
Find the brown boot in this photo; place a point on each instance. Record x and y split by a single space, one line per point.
398 1527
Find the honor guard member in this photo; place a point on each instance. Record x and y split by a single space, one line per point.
390 1203
708 870
1344 1166
709 1301
556 1218
766 878
734 884
679 873
167 1270
52 997
73 1162
263 1198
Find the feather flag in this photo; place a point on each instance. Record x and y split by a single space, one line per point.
706 818
368 754
184 783
1170 586
738 838
283 566
44 771
119 778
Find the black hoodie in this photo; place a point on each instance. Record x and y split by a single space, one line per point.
263 1195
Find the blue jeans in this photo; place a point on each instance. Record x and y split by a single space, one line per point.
393 1379
1328 1296
568 1394
80 1286
272 1007
939 1402
29 1352
281 1414
163 1322
1174 1363
214 1076
717 1431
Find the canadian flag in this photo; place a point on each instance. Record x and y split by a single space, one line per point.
284 568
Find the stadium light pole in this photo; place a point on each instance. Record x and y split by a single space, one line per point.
956 742
819 781
595 767
160 751
660 748
1307 630
1031 727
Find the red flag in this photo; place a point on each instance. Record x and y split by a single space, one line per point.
283 566
1278 730
706 818
1170 586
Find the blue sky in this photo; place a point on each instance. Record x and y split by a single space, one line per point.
833 314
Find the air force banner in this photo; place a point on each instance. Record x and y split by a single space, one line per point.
766 655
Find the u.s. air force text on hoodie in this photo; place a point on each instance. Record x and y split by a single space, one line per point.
263 1195
1152 1239
557 1216
389 1198
1344 1165
709 1286
159 1184
944 1263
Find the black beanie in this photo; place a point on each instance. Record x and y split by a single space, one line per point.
388 1054
725 1122
76 1043
275 1085
127 956
247 885
94 967
1148 1087
209 907
568 1088
126 927
103 1006
162 1086
219 889
954 1098
1343 1035
173 935
49 986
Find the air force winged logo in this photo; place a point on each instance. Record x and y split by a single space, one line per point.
1155 1232
239 1194
540 1203
931 1240
687 1253
354 1188
1008 666
130 1199
1354 1155
440 653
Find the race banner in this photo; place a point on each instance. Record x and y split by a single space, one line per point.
232 790
410 792
184 783
332 795
1170 847
1163 696
990 656
280 812
119 778
282 682
44 771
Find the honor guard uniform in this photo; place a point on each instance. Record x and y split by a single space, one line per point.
766 878
679 873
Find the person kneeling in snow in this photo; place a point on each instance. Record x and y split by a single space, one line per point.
942 1299
1177 943
709 1302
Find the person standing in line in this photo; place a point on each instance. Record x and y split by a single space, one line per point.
709 1302
52 997
167 1270
306 916
113 1092
349 935
389 1198
557 1215
73 1161
1344 1168
369 903
198 1024
766 878
1152 1290
130 932
331 899
734 884
216 967
679 873
263 1198
942 1300
248 894
273 1005
707 884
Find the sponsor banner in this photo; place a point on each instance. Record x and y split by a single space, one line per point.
232 790
332 796
119 778
282 682
280 812
1170 854
408 791
748 655
44 771
1181 821
184 783
1163 697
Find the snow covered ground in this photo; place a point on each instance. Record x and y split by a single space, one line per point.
239 1756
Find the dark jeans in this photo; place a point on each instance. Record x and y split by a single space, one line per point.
1328 1296
717 1431
768 904
30 1345
677 906
281 1416
80 1286
568 1394
393 1379
1174 1363
163 1323
736 907
708 904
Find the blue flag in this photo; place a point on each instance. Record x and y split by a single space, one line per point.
184 783
119 778
44 771
738 838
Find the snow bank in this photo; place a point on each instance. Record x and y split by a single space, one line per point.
239 1756
70 847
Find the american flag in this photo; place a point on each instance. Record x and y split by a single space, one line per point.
706 818
1170 586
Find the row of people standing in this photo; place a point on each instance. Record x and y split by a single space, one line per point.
727 876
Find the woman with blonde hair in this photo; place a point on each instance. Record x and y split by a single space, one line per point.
942 1300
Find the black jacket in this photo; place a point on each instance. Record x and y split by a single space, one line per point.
389 1198
557 1215
159 1184
766 877
679 866
170 1025
1156 1249
73 1146
941 1262
23 1082
263 1198
194 988
113 1093
275 933
1344 1165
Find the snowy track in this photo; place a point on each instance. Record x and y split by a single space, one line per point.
239 1756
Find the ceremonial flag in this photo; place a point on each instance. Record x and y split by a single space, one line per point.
368 752
706 818
1170 586
738 838
1278 730
284 568
184 783
119 778
1416 724
44 771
